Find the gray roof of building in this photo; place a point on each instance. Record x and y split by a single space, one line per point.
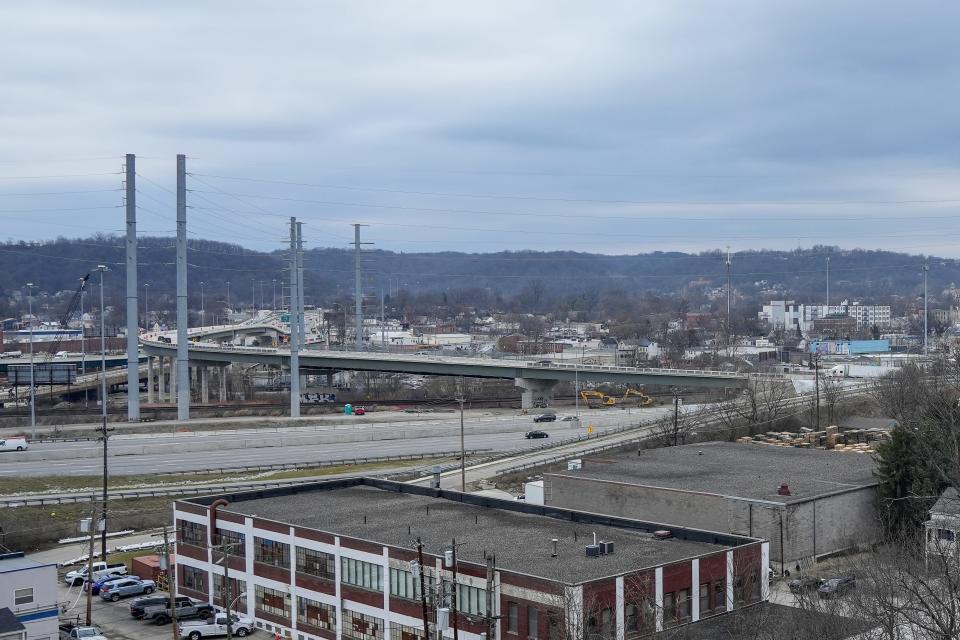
9 622
17 562
753 471
521 541
948 503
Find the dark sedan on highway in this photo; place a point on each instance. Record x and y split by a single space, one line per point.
536 434
546 417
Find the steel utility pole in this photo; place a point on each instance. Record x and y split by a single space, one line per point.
926 269
146 306
676 417
103 410
463 449
133 327
294 325
183 355
33 390
93 536
202 314
729 291
358 292
300 313
454 613
828 285
274 305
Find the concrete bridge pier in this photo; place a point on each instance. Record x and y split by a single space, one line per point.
223 383
151 361
536 392
204 384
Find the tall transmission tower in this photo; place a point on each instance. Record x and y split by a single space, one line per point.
358 286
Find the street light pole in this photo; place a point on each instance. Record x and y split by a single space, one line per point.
83 341
146 306
103 410
202 317
274 306
33 391
926 269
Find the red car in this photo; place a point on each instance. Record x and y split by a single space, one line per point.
359 411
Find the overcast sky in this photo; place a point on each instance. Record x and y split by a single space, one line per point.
616 127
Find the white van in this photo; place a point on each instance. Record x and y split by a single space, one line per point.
13 444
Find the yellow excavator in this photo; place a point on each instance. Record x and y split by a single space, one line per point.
596 399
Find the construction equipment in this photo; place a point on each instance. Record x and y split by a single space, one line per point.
67 316
642 399
596 399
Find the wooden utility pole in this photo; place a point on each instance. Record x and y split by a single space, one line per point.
93 536
423 591
453 596
491 618
172 584
226 584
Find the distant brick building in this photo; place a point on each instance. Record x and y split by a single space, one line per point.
334 560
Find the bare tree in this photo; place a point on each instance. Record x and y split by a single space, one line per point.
760 403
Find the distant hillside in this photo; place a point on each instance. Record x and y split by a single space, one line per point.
536 279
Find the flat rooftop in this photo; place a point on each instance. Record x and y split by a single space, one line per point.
518 534
16 561
753 471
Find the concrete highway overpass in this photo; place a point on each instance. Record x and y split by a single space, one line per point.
536 378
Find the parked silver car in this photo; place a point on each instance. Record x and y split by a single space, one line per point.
127 587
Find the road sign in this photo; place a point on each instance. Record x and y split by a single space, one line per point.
60 373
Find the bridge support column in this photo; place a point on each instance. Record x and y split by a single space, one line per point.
223 384
150 362
161 380
536 392
204 384
172 389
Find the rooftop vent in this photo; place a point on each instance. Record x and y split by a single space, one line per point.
593 550
662 534
784 490
606 547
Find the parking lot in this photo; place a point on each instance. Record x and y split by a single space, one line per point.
113 618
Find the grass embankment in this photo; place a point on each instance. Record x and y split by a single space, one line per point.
40 527
93 484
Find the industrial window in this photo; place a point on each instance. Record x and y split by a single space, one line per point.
194 578
359 626
403 632
669 610
513 617
533 622
946 534
608 628
238 590
704 599
316 563
361 574
471 600
271 552
755 585
683 605
23 596
317 614
233 539
403 584
272 601
192 533
719 596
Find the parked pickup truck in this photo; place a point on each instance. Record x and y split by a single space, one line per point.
216 627
100 570
159 612
73 632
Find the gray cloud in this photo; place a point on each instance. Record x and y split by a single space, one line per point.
693 103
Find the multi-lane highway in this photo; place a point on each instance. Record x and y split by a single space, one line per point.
151 453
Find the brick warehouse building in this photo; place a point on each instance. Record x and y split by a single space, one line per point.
333 560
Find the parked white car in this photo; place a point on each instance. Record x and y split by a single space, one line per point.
13 444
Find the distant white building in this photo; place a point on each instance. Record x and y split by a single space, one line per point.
788 315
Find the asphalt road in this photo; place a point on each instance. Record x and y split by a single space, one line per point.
89 462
